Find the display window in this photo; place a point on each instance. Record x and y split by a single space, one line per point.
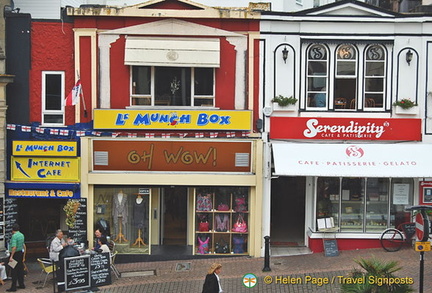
122 213
368 205
221 220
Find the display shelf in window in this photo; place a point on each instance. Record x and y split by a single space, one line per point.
221 220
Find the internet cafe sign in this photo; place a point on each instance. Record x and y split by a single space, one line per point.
311 128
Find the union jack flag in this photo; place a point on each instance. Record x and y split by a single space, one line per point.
230 134
26 128
80 133
40 130
64 132
11 127
54 131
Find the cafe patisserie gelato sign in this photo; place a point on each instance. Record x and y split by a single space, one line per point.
172 119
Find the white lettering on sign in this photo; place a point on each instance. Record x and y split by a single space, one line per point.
354 129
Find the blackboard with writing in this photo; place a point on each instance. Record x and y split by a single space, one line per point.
330 247
77 272
11 216
100 269
79 231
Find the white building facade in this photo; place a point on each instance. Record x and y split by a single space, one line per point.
348 150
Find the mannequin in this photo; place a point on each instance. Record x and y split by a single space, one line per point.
139 218
120 215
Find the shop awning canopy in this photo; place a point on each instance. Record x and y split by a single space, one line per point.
350 160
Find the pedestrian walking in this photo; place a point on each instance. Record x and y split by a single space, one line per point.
16 247
212 281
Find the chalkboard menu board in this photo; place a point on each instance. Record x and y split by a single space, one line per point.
330 247
79 231
100 269
77 272
11 212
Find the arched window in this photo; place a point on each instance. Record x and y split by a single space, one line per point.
317 76
346 77
374 77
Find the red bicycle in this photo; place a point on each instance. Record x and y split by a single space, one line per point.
392 239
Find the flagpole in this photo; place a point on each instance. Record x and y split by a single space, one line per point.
82 97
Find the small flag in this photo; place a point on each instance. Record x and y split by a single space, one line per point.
181 135
166 135
132 135
11 127
26 128
64 132
214 134
230 134
245 133
54 131
73 97
199 135
80 133
96 133
40 130
149 135
115 134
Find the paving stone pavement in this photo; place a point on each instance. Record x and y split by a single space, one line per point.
167 279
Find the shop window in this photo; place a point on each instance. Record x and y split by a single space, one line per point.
52 98
221 220
123 215
172 86
346 77
368 205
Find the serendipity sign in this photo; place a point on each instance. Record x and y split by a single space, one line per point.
312 128
172 119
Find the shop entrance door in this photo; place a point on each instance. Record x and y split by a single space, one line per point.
174 215
287 226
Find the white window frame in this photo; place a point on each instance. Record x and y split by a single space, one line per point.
62 96
151 97
360 76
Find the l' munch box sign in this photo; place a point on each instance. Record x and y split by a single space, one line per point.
126 155
312 128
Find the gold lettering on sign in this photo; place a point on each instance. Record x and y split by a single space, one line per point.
135 158
187 157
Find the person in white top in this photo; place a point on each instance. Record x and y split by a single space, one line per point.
103 242
56 246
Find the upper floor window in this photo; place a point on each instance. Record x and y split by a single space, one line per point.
53 97
353 80
172 86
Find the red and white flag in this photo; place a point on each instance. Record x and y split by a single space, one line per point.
149 135
245 133
73 97
181 135
132 135
115 134
40 130
11 126
96 133
26 128
214 134
230 134
54 131
80 133
64 132
199 134
166 135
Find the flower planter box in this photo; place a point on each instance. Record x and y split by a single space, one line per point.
411 111
288 108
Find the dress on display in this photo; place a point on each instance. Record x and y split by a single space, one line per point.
120 210
139 213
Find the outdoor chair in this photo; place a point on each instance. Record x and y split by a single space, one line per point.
47 267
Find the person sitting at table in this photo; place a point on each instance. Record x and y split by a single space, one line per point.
103 244
3 275
68 251
320 99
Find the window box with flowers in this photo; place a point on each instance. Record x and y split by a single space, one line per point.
281 103
405 107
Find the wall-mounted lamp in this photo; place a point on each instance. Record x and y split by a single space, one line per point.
409 57
284 54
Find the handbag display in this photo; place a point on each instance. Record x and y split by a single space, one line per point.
223 207
204 202
240 204
222 246
240 226
222 223
204 227
238 242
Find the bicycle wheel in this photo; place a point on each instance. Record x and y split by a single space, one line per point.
392 240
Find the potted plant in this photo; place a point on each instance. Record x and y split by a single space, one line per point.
405 106
71 209
283 103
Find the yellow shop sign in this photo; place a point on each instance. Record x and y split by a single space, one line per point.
44 148
45 169
172 119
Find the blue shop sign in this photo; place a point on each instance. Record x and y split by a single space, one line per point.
40 190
